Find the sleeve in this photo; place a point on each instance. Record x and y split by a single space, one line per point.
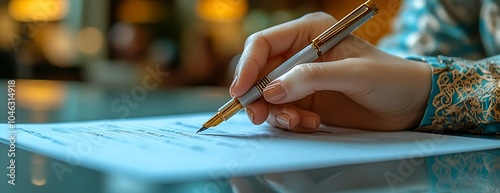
465 96
435 27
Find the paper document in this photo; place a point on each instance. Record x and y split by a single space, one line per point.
166 149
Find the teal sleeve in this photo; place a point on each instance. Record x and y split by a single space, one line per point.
434 27
465 96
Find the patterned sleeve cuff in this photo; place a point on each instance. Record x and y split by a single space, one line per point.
465 96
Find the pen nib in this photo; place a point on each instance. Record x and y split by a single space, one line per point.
201 129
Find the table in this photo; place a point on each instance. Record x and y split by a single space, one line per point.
53 101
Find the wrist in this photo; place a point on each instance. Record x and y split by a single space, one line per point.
424 90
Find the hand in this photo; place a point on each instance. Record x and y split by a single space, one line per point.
352 85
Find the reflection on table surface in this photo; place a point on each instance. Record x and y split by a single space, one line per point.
54 101
49 101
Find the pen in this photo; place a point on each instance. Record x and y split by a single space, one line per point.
320 44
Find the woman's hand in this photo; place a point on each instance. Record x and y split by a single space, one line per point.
352 85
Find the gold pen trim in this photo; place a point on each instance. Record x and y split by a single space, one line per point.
343 24
262 83
227 111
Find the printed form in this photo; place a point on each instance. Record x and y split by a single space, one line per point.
166 149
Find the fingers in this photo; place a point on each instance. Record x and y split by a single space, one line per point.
286 38
292 118
287 116
347 76
258 111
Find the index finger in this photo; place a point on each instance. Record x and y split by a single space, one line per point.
286 38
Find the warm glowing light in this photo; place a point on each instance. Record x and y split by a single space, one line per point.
140 11
222 10
40 95
39 182
38 10
7 25
58 45
89 40
38 171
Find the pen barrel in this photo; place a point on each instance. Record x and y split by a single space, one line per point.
344 27
322 43
250 96
308 54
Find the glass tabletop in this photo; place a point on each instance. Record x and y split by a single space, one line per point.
53 101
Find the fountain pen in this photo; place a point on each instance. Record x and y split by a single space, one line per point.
326 40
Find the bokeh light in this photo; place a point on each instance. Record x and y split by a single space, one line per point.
38 170
89 40
38 10
59 45
40 95
224 11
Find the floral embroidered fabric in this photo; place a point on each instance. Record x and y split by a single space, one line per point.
465 91
465 96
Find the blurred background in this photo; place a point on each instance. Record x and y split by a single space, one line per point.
113 41
105 59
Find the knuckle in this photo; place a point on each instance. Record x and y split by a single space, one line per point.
307 72
252 62
256 37
251 38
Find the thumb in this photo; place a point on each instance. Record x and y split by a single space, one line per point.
346 76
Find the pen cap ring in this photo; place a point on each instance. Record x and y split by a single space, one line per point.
367 9
230 108
262 83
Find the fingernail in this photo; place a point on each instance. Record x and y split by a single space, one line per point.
231 90
274 92
310 122
284 120
250 114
